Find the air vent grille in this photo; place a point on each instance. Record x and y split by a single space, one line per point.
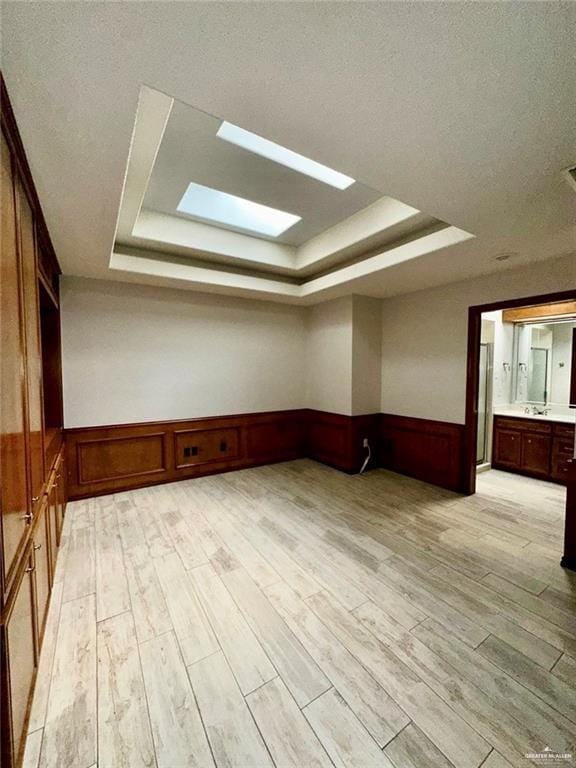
570 176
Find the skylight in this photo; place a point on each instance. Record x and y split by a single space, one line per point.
279 154
220 207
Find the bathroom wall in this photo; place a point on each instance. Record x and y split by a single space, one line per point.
502 337
561 361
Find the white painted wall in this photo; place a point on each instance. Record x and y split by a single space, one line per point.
424 337
328 356
138 353
561 362
366 350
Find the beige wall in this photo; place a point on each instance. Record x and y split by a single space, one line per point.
328 356
137 353
366 351
424 337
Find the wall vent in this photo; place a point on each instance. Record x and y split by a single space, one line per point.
570 176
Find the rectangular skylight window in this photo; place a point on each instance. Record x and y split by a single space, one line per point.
279 154
222 208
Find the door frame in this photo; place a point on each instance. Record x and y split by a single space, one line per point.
472 373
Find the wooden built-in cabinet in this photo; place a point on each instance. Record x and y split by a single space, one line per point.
533 447
32 487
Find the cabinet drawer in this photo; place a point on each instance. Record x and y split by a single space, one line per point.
201 446
564 430
524 425
562 447
559 468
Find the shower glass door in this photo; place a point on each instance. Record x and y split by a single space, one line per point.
483 410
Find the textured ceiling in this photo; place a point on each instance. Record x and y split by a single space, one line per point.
466 111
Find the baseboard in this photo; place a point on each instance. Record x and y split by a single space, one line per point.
115 458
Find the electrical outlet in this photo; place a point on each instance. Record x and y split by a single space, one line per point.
365 443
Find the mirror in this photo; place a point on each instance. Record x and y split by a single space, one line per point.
541 366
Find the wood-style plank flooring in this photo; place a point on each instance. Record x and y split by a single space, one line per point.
292 615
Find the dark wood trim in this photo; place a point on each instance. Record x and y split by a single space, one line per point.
115 458
472 373
337 440
422 448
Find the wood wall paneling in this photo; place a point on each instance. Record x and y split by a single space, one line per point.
108 459
424 449
193 447
113 458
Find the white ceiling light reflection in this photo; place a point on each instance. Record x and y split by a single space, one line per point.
279 154
233 211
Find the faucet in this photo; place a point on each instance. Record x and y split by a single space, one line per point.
539 411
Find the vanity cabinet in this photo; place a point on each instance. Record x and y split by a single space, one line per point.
533 447
32 496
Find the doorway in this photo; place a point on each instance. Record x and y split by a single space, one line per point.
524 435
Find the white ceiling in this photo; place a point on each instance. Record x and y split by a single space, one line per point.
466 111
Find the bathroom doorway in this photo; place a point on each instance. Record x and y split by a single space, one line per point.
521 399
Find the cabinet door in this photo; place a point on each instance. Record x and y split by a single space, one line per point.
60 493
42 564
536 453
507 448
31 314
53 513
14 488
19 648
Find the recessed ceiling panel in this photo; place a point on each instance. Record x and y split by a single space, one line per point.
235 212
192 152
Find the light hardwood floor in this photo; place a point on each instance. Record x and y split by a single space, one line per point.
295 616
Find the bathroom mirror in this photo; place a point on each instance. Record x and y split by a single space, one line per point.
541 365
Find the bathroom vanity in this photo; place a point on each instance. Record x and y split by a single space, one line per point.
532 445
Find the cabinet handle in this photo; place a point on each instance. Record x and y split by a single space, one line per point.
28 517
37 547
35 499
30 569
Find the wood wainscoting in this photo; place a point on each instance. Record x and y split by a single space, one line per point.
111 459
427 450
337 440
116 458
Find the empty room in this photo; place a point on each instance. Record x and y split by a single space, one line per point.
288 384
